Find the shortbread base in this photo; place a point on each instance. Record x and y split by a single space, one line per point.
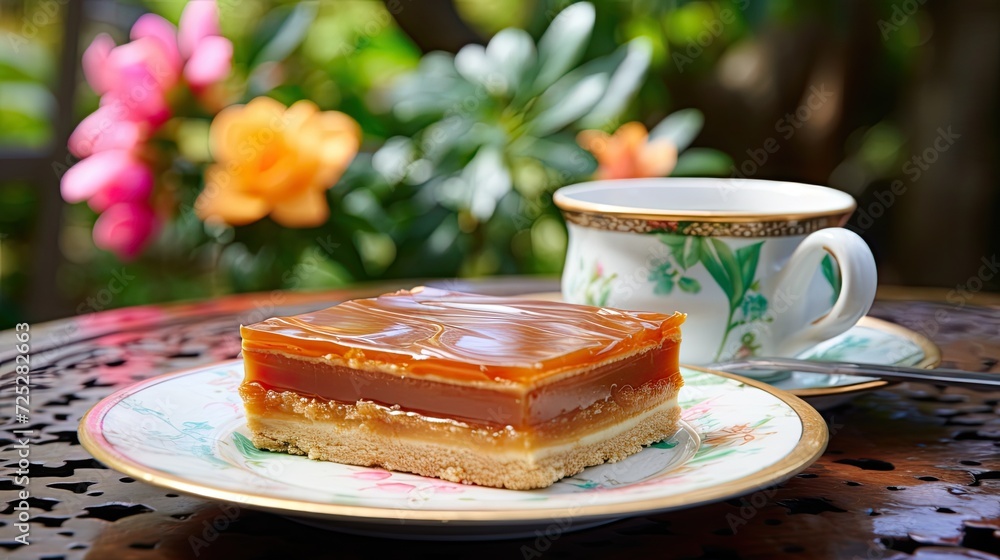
355 444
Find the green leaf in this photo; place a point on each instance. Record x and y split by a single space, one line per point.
560 112
679 128
433 90
718 272
442 138
675 241
728 262
557 152
392 159
702 162
282 31
487 180
605 292
664 286
24 59
563 43
830 272
754 307
692 252
512 53
247 448
663 269
832 275
31 100
471 62
748 257
626 79
606 65
689 285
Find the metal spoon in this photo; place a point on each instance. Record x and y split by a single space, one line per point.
956 377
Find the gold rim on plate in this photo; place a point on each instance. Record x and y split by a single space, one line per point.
811 445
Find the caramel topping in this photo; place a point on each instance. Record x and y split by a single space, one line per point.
463 338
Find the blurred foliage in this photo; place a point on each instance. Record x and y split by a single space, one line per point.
27 75
461 152
489 137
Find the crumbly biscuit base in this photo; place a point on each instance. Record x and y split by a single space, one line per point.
356 444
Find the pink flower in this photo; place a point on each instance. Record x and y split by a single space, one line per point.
210 63
108 178
134 81
199 20
95 59
125 229
134 78
155 27
118 184
208 54
104 130
445 488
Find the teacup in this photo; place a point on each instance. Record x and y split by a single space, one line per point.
760 267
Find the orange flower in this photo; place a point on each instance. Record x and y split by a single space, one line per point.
628 153
276 160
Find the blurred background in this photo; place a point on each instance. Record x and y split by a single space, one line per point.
892 101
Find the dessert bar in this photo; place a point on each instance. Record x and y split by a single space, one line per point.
496 391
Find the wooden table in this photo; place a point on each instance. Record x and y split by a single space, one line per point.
909 470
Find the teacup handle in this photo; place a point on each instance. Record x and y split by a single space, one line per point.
797 327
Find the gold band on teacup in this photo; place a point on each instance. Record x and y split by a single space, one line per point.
770 228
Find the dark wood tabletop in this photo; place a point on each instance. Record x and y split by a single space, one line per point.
911 470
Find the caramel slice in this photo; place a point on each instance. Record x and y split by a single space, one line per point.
487 390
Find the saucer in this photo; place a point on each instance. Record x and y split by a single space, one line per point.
871 341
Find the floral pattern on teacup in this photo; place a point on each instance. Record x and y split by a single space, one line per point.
735 272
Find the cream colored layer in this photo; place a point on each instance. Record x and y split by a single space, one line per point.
457 460
531 450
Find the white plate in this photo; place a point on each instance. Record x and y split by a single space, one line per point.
186 432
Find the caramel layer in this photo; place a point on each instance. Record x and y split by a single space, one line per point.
499 405
569 429
463 338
